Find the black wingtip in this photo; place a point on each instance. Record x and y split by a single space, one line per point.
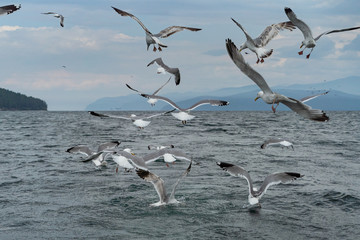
287 10
262 146
142 173
295 175
224 164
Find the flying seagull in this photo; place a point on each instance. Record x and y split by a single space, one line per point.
267 94
159 186
162 68
183 113
258 44
9 9
151 101
57 15
168 153
154 38
98 157
309 41
275 141
272 179
137 120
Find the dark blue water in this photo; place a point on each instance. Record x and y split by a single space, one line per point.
47 193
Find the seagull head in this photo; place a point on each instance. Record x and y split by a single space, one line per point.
259 95
128 150
242 47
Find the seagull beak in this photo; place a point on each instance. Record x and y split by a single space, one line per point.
133 154
257 98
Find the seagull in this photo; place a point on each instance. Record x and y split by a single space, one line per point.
272 179
168 153
151 101
9 9
57 15
183 113
98 157
267 94
154 38
159 186
137 121
162 68
122 161
309 41
275 141
257 45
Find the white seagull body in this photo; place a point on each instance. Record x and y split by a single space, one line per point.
57 15
154 38
258 44
267 94
309 41
272 179
97 157
183 114
277 141
164 68
9 9
158 184
137 121
122 161
151 101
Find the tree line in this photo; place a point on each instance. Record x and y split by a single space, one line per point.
16 101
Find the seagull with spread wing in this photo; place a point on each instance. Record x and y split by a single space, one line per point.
57 15
9 9
267 94
309 41
258 44
164 68
272 179
154 38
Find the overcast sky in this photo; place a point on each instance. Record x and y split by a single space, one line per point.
103 50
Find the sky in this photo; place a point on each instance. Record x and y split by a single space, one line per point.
102 51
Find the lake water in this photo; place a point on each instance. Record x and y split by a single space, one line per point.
47 193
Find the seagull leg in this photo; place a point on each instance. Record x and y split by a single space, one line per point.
258 60
259 205
272 106
307 56
167 164
117 169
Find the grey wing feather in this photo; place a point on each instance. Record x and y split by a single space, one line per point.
108 116
211 102
162 86
277 178
156 181
174 71
335 31
108 145
158 114
239 61
248 37
272 31
123 13
304 28
305 110
174 29
133 88
138 162
164 99
158 154
271 141
80 149
308 98
172 195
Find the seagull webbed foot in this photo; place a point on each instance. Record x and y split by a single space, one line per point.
307 56
154 49
262 60
301 52
258 60
159 49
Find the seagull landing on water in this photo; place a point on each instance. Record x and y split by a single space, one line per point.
9 9
151 101
273 179
158 184
97 157
164 68
267 94
309 41
257 45
277 141
57 15
154 38
183 113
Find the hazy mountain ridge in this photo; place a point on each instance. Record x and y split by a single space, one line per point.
343 95
10 100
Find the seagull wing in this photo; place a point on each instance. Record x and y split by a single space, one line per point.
138 162
156 181
108 145
174 29
80 149
277 178
9 9
248 37
164 99
124 14
211 102
308 98
172 195
272 31
108 116
158 114
239 61
133 89
335 31
304 28
305 110
162 86
61 20
271 141
174 71
178 154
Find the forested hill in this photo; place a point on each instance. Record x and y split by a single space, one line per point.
16 101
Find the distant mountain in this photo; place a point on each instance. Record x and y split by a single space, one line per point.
343 95
16 101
